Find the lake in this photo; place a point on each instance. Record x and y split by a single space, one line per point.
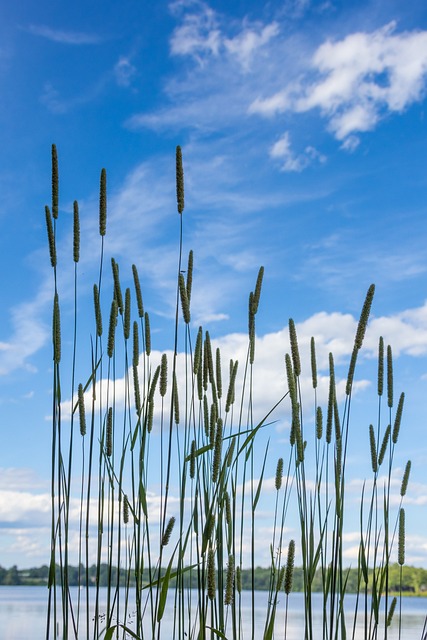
23 615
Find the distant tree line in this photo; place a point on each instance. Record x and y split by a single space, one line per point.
414 580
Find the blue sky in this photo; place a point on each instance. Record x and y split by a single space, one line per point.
303 131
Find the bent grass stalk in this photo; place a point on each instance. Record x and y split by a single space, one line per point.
177 466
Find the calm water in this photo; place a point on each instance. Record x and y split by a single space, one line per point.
23 615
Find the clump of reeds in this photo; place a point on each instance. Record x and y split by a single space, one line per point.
190 433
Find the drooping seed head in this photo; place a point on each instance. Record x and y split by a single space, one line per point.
154 384
150 415
231 387
351 370
230 452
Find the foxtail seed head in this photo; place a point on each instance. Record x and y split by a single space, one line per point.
193 459
257 292
112 328
179 180
189 283
389 377
76 232
125 509
197 363
279 474
136 390
211 574
109 433
229 581
103 203
313 363
50 237
384 444
216 463
218 372
138 293
401 541
364 316
126 321
381 366
289 573
82 413
374 460
175 399
163 375
55 181
319 423
294 348
398 419
135 354
117 288
168 531
98 316
147 334
185 304
405 479
391 611
56 331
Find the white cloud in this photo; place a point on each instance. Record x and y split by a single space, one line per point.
124 72
249 41
64 36
359 80
198 34
282 150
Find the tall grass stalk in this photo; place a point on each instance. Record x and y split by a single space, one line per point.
177 465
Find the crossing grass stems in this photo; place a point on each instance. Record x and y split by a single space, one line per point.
209 453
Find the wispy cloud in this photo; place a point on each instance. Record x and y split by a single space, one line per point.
282 151
359 80
64 36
